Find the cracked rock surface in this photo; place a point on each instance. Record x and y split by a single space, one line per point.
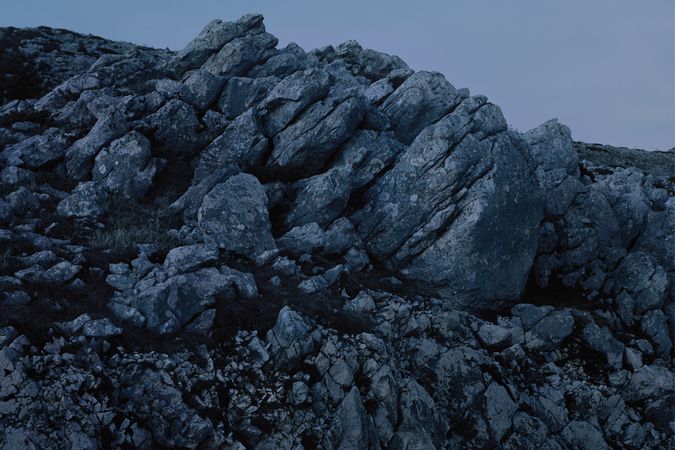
244 246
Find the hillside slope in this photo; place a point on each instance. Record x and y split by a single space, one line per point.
244 246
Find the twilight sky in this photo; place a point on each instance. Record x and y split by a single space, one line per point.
603 67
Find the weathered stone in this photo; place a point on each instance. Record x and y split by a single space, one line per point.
190 257
80 156
39 151
174 127
550 331
601 340
289 340
126 168
87 200
308 143
201 89
305 239
441 213
421 100
241 143
234 217
211 39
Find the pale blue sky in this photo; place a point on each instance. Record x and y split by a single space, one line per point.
604 67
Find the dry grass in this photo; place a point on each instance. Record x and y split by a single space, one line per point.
129 224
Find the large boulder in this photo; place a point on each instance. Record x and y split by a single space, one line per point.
126 167
234 217
459 209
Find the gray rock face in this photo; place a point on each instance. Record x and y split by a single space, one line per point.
602 341
234 217
449 199
126 168
241 93
175 128
550 331
421 100
557 162
301 240
190 257
290 97
308 143
321 198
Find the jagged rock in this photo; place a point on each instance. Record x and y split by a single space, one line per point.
14 176
239 55
201 89
355 426
211 39
321 198
643 280
22 201
126 167
655 325
234 217
309 141
290 97
493 336
421 424
172 304
650 381
290 339
340 236
80 156
60 273
367 62
241 143
584 435
550 331
241 93
101 328
421 100
552 149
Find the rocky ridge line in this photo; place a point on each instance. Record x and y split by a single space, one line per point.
239 246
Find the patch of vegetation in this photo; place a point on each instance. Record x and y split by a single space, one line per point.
129 223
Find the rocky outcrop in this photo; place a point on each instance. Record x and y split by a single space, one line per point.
244 246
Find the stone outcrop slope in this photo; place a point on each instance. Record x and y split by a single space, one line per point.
241 246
